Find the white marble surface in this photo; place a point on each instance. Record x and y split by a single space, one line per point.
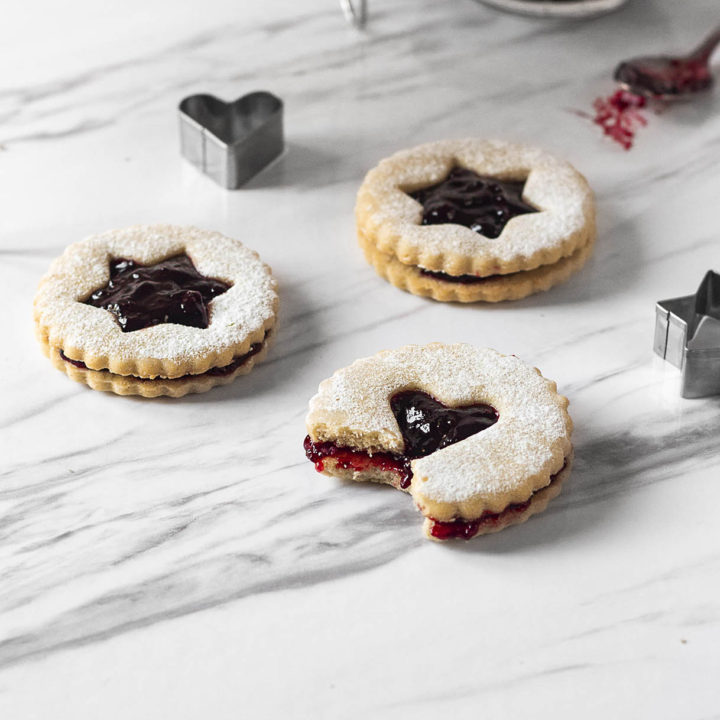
181 558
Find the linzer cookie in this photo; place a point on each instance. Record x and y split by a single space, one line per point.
475 220
156 310
480 440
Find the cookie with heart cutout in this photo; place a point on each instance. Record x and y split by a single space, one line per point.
156 310
475 220
480 440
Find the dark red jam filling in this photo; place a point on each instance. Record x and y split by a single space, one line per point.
357 460
76 363
484 204
466 529
255 348
171 291
462 279
426 425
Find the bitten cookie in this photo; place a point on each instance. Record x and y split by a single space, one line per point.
471 220
480 440
156 310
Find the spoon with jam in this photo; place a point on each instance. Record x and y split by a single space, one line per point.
665 77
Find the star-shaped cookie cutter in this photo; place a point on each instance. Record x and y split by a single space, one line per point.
687 335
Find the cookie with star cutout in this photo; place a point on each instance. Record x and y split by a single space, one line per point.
156 310
475 220
480 440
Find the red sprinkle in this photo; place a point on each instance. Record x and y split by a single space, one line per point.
620 116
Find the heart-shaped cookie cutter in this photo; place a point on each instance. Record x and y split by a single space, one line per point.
687 335
231 142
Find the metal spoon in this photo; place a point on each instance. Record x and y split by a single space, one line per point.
670 78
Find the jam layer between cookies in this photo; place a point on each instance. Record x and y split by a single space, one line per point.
221 371
426 425
461 279
483 204
170 291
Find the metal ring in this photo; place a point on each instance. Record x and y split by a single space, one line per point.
355 12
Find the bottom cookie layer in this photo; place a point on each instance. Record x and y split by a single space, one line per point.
157 387
494 288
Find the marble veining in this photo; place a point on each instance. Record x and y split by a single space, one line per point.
181 557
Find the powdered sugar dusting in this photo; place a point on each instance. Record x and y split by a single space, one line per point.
235 316
530 439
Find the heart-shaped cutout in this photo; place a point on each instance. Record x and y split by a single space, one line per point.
428 425
231 142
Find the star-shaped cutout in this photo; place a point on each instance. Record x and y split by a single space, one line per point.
687 335
170 291
484 204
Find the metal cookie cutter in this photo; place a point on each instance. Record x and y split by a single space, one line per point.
231 142
687 335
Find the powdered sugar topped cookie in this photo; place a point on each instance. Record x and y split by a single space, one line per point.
150 309
473 435
462 211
